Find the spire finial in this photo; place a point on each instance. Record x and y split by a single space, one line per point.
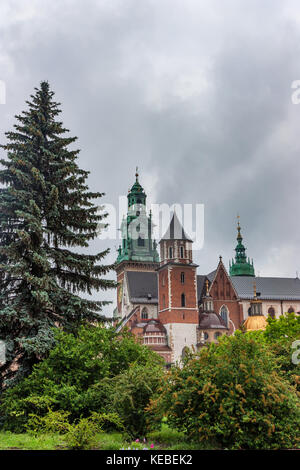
207 282
137 174
239 228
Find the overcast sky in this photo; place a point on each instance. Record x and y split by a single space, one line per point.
196 93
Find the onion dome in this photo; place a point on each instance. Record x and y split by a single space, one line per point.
136 194
241 266
208 319
211 320
256 320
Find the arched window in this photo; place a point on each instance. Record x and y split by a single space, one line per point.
181 252
224 314
144 315
205 336
182 278
217 334
271 312
170 252
182 300
291 310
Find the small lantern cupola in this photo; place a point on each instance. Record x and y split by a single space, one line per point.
207 299
256 320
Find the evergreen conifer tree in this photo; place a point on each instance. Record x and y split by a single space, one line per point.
46 213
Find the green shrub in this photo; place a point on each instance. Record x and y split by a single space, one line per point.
82 435
73 377
280 335
130 393
232 396
52 422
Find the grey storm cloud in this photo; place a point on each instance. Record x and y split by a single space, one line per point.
196 93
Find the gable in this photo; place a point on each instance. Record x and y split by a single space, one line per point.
221 286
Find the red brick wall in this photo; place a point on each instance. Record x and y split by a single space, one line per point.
178 314
223 293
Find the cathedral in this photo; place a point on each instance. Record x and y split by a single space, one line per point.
169 306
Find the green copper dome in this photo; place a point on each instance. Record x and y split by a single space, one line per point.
136 195
241 266
136 229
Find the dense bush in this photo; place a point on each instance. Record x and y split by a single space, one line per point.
130 392
66 379
231 394
280 335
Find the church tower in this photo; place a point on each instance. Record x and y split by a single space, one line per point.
138 251
241 266
177 290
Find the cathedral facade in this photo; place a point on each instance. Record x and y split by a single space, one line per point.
169 306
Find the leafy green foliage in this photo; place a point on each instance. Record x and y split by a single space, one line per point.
76 376
280 335
285 328
52 422
46 212
82 435
231 394
130 392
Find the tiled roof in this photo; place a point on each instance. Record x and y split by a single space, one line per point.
175 230
270 288
211 275
200 285
142 287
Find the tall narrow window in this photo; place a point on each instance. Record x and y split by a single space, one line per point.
170 252
144 314
181 252
182 300
164 301
271 312
182 278
224 314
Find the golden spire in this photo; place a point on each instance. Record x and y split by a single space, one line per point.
207 282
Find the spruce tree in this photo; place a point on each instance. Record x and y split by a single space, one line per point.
46 213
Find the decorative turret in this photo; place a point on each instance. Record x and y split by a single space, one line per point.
175 245
256 319
241 266
136 228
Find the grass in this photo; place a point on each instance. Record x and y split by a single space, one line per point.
166 438
27 441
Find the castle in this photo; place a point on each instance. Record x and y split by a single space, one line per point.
170 307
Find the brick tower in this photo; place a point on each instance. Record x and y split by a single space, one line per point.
177 289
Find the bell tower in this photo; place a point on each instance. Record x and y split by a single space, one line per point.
138 251
177 289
